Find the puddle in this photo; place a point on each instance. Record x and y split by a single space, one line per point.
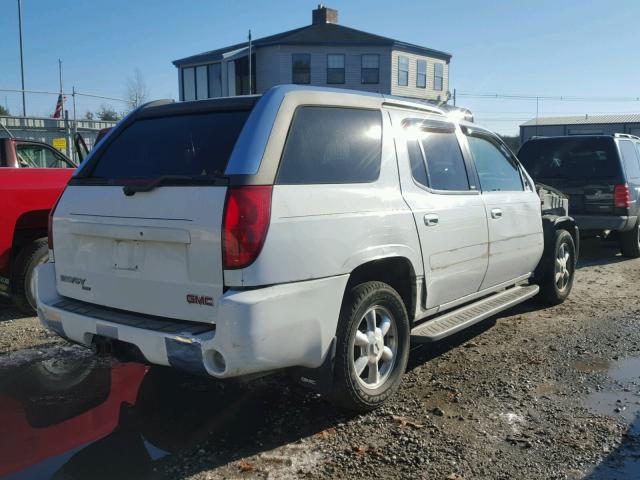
619 397
86 417
590 365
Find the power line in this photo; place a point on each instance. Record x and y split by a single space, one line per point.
562 98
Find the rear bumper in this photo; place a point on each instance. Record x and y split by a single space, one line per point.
605 222
257 330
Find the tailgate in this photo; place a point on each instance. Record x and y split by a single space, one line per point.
157 253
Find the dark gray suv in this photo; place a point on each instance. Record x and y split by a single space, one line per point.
601 176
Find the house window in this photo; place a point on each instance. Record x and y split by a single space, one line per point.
215 80
438 74
421 74
335 68
188 84
370 66
403 71
301 68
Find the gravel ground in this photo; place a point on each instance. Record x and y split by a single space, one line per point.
531 394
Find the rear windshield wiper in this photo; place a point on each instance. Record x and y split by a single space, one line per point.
130 190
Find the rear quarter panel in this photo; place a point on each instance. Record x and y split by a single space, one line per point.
319 231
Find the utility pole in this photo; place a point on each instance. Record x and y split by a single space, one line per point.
537 113
24 102
250 86
454 97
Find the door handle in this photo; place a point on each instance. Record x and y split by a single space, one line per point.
431 219
496 213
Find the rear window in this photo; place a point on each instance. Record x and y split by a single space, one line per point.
568 158
630 158
332 145
183 145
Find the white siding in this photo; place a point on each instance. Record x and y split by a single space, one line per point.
411 90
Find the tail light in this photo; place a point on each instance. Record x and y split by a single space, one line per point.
247 214
50 228
621 196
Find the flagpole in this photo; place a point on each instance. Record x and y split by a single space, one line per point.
60 72
250 86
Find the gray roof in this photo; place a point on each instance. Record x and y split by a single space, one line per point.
318 34
585 119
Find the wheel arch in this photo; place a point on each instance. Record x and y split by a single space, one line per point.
29 227
396 271
551 224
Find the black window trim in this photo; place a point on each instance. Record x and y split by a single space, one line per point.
293 68
376 180
442 126
344 68
362 82
500 145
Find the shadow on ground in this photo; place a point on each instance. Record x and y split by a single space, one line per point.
597 251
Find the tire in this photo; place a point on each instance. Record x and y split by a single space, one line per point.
630 241
386 346
23 279
557 280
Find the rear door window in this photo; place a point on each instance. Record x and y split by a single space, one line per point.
630 158
332 145
498 172
195 145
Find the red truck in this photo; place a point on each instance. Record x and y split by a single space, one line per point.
32 176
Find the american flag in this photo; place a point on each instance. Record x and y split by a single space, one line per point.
59 107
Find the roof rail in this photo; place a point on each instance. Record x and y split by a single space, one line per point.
626 135
392 102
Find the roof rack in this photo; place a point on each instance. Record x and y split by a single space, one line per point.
626 135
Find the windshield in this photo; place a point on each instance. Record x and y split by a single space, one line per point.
182 145
568 158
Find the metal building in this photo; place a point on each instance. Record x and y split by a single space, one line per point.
580 125
324 54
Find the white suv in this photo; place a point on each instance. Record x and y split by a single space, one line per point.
312 229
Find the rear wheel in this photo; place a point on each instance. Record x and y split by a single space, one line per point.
372 347
557 281
24 278
630 241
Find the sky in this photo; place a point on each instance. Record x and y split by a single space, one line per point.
545 48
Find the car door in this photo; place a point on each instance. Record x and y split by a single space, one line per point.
512 210
447 207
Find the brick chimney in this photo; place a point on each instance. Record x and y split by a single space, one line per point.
323 14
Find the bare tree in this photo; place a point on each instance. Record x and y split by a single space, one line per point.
107 113
136 89
88 115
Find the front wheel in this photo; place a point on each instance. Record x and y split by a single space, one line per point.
557 281
630 241
372 347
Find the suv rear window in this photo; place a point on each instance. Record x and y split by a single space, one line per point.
332 145
630 158
570 158
183 145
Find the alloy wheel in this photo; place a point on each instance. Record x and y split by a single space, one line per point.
375 347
